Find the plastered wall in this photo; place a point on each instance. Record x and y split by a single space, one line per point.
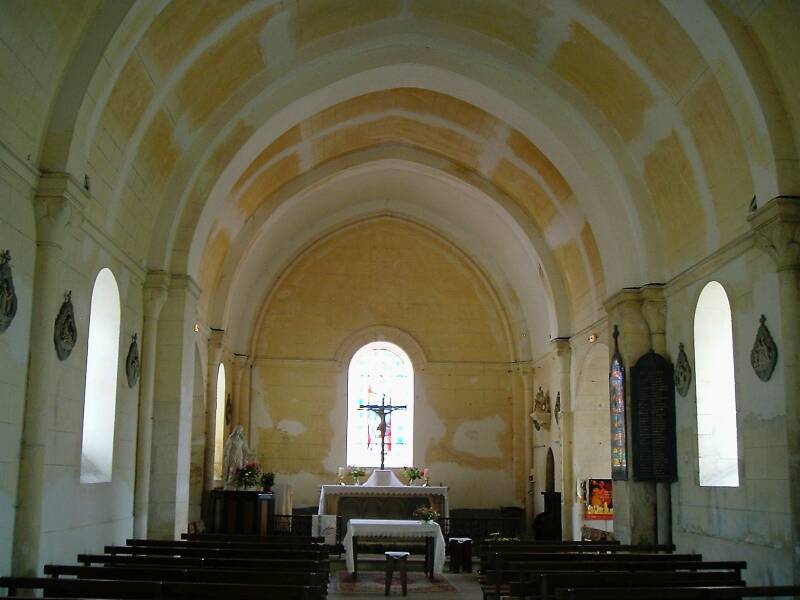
396 275
750 522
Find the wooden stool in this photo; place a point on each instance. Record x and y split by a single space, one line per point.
460 554
391 559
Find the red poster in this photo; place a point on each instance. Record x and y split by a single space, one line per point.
599 500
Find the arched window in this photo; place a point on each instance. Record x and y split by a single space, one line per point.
100 397
378 372
219 422
716 395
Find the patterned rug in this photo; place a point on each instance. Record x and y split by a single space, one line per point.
374 581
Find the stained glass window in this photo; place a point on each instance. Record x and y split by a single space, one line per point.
380 372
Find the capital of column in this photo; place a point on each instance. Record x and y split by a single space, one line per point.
776 230
156 286
59 202
654 307
216 343
562 351
185 283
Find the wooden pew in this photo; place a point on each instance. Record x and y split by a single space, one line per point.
268 539
317 554
496 578
154 573
157 590
279 564
546 583
678 593
257 545
488 551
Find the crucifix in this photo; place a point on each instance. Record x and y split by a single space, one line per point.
382 410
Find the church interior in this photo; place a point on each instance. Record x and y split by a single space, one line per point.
573 224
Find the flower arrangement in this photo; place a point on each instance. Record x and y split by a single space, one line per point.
426 513
248 476
414 474
267 480
357 473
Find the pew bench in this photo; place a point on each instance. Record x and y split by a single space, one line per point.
145 573
263 564
157 590
678 593
544 585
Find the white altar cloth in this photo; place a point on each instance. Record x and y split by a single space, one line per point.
381 528
430 492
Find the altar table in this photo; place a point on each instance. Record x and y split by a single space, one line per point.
381 528
329 495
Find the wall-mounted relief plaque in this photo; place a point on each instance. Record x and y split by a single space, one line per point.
66 333
8 297
683 372
132 366
764 355
653 419
541 409
616 390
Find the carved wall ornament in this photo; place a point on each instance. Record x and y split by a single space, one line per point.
66 333
541 409
132 365
683 372
8 297
764 355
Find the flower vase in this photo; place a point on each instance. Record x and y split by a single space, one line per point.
356 481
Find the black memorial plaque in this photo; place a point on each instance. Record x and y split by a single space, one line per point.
653 419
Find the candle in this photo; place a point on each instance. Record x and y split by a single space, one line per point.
425 473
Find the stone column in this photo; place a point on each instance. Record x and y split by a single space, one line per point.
562 352
59 203
172 411
154 295
241 406
635 520
654 310
776 228
523 384
216 340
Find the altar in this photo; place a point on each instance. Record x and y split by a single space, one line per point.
381 496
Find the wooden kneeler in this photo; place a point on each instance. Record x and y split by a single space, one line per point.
402 559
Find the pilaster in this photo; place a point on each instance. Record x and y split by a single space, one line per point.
172 411
562 351
776 229
59 204
635 502
155 292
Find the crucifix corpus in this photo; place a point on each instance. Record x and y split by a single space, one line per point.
382 410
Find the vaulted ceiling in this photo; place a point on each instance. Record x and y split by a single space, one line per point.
567 148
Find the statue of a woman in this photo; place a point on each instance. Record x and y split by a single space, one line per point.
234 456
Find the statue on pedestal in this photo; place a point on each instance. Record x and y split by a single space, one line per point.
235 455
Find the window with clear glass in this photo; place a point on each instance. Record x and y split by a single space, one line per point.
219 422
716 389
100 395
380 372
